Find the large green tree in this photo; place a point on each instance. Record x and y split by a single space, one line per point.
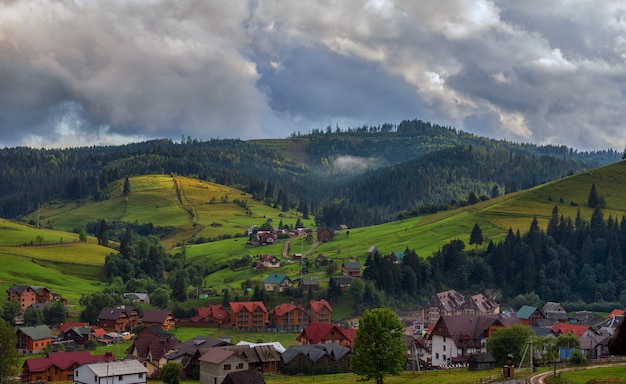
379 349
8 354
509 341
171 372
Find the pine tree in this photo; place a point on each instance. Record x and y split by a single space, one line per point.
476 237
592 201
126 190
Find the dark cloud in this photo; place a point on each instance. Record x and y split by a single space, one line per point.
74 73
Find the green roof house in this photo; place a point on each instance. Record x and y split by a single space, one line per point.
277 281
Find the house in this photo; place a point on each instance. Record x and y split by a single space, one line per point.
79 335
29 295
244 377
32 340
553 312
216 363
309 284
320 311
59 366
123 371
277 281
289 317
249 314
351 268
321 333
397 257
263 358
121 318
269 261
136 297
479 304
188 354
578 330
529 315
266 237
461 336
343 282
481 362
325 234
316 359
445 303
162 318
321 260
595 346
213 316
149 350
69 324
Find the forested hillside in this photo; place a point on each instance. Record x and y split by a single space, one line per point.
393 168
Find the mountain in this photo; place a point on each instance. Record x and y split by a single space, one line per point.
318 169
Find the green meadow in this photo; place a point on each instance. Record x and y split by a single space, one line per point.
202 209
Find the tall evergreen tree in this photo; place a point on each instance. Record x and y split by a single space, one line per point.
592 200
476 237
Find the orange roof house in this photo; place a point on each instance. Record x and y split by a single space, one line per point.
576 329
320 311
289 317
214 316
249 314
616 312
320 333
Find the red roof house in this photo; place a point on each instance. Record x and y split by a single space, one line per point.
212 316
248 314
289 317
320 333
320 311
59 366
576 329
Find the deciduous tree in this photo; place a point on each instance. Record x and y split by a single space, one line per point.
8 353
378 346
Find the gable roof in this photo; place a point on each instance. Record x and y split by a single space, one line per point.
275 278
352 265
616 312
277 345
113 313
248 376
318 305
216 310
199 344
576 329
65 360
284 308
155 346
250 306
526 311
314 352
466 328
155 315
448 300
39 332
120 367
70 324
315 332
217 355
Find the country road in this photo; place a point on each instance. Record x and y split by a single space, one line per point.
541 377
306 253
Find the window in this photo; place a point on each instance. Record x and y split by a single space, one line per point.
141 375
120 378
239 366
437 356
227 367
444 347
444 339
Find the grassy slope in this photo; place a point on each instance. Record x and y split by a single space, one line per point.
423 234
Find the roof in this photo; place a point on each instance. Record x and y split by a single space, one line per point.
39 332
216 355
70 324
314 352
315 332
576 329
113 313
146 344
190 347
217 311
449 300
275 278
277 346
526 311
244 377
284 308
135 296
65 360
310 282
249 306
352 265
318 305
155 315
466 328
255 354
114 368
616 312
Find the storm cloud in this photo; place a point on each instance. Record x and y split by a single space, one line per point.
107 72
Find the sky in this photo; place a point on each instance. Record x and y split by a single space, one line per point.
76 73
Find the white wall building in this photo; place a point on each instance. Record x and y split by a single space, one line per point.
111 372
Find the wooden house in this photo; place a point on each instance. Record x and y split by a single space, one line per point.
325 234
316 359
213 316
32 340
320 311
289 317
29 295
119 319
321 333
481 362
249 314
150 349
188 353
351 268
58 366
277 281
162 318
530 316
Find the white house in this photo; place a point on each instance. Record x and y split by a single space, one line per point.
111 372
